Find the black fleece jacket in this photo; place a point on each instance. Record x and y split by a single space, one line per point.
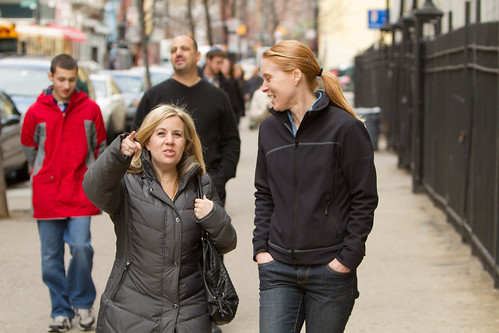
316 192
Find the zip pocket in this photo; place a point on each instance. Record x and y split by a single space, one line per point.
329 214
120 282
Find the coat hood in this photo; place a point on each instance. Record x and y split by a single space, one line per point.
77 96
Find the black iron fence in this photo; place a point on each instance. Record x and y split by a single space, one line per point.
439 112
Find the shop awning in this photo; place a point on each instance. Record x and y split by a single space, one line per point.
73 34
76 35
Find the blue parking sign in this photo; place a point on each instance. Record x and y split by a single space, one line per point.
377 18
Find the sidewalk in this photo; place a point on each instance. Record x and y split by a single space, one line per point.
417 276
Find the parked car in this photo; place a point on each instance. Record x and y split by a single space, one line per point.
90 66
158 73
131 84
111 102
25 78
344 72
13 159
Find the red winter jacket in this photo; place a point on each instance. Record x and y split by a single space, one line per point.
60 147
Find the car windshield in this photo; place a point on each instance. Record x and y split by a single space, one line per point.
23 81
158 74
129 84
158 77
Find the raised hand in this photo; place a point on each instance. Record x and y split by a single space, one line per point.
129 146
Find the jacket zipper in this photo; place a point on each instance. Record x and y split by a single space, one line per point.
331 218
295 201
120 282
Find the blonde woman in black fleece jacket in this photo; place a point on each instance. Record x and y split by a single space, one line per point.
315 196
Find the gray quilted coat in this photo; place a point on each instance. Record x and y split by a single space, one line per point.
155 283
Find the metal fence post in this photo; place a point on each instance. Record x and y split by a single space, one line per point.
495 220
468 133
423 15
406 97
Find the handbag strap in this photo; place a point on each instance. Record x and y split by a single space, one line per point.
204 234
200 186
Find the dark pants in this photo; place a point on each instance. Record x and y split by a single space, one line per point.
316 295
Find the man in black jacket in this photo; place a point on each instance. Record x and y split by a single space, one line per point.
212 72
208 105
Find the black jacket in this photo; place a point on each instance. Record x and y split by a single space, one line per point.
155 283
316 192
215 123
232 89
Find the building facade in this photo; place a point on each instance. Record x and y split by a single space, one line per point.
46 27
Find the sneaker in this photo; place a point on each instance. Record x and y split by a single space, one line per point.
60 324
86 319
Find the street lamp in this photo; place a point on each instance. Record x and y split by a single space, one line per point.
428 11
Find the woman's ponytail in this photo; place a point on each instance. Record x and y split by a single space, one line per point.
335 93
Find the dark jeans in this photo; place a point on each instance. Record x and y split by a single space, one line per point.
316 295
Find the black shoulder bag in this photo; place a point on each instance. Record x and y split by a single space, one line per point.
221 294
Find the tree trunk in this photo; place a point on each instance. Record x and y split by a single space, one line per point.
143 41
275 21
208 22
190 19
223 15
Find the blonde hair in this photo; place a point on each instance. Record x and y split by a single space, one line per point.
193 152
292 54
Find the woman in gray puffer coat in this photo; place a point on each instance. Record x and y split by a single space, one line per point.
151 196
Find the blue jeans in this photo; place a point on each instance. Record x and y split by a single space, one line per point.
316 295
76 288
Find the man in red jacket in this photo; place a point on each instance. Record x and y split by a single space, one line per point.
63 133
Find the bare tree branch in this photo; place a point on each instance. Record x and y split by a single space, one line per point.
208 22
143 41
190 19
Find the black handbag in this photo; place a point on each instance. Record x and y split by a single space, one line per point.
221 294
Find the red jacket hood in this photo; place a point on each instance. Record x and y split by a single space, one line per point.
46 97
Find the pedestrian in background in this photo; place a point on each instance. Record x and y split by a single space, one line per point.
150 194
234 75
258 108
234 71
315 196
62 134
252 84
209 107
212 69
216 61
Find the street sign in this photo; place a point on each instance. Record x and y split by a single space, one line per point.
31 4
377 18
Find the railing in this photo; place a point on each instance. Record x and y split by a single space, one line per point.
439 112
